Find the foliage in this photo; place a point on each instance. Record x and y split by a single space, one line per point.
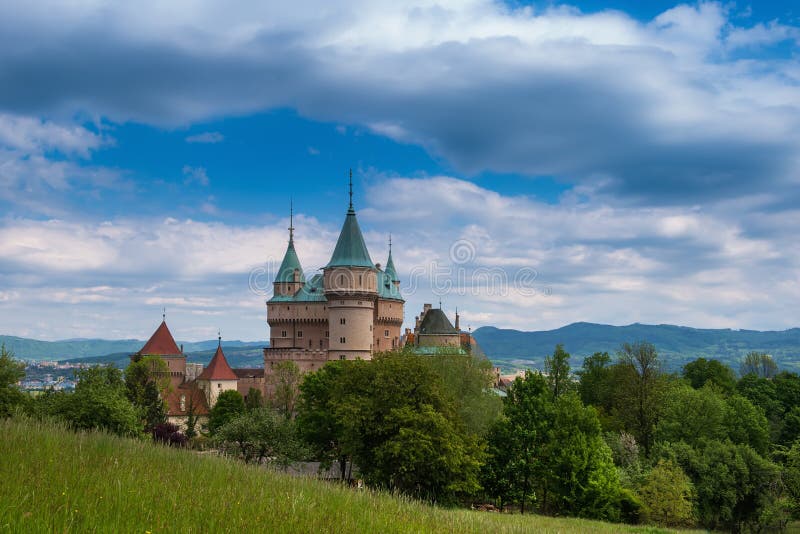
94 482
596 386
405 424
640 388
147 385
556 367
254 399
11 372
261 435
169 434
284 379
551 450
229 404
760 364
99 401
701 371
667 495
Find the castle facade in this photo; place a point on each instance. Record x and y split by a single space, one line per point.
352 309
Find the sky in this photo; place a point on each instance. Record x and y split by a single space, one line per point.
536 164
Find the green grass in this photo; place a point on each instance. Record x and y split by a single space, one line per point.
54 480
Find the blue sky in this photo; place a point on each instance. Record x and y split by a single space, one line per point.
612 162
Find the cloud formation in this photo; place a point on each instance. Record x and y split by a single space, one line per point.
647 112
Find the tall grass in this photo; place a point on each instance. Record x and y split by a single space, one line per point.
55 480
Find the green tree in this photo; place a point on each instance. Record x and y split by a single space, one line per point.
147 385
317 420
551 450
556 367
702 371
691 415
596 384
760 364
229 404
99 401
284 379
261 435
11 372
667 495
640 387
254 399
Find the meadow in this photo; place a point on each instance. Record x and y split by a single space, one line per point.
56 480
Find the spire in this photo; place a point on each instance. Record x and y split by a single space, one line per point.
390 268
291 262
219 338
351 190
351 250
161 343
291 221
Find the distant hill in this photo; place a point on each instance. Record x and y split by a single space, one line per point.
244 355
676 344
32 349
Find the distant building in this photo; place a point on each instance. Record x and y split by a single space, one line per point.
433 332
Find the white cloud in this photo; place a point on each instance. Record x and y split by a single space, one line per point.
195 175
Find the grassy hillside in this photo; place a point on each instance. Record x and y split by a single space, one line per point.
676 344
246 355
57 481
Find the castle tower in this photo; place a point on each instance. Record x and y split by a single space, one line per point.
163 345
391 272
351 289
290 278
217 377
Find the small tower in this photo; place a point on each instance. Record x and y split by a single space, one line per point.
163 345
217 377
351 289
390 269
290 278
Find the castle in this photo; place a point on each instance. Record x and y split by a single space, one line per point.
351 310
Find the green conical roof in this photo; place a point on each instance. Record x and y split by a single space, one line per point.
289 264
390 270
350 251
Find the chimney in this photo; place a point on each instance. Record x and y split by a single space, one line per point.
425 308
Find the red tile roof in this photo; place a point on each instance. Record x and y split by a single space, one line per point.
161 343
218 368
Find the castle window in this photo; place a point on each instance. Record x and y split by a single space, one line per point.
283 333
327 333
370 328
341 280
342 340
183 403
359 280
309 343
299 333
219 385
342 357
386 333
320 343
342 320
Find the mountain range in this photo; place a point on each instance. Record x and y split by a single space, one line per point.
676 345
508 349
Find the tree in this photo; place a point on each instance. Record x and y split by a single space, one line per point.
147 385
667 495
254 399
261 435
556 368
552 450
98 402
317 421
285 381
229 404
11 372
701 372
760 364
640 387
596 386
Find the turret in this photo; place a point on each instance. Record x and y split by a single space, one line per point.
390 269
290 278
